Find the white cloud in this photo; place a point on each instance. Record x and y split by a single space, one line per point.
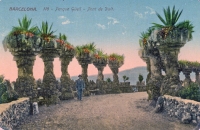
113 20
61 17
140 15
152 11
101 26
123 33
67 22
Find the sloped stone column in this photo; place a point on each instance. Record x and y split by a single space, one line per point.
197 77
25 83
50 91
187 80
155 80
172 80
66 89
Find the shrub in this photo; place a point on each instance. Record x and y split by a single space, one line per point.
140 78
7 94
191 92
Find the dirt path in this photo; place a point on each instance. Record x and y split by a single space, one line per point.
128 111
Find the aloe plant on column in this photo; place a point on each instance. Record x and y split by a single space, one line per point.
170 37
100 61
48 53
115 61
84 55
67 52
23 44
150 54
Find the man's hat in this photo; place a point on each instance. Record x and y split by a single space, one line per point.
79 75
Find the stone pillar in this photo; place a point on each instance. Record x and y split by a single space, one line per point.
197 77
187 80
100 73
50 90
66 89
25 84
154 80
171 81
114 66
115 74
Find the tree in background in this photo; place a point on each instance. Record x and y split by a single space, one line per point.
140 78
125 78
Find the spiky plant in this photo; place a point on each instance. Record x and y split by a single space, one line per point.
115 57
85 49
100 55
46 33
24 28
170 22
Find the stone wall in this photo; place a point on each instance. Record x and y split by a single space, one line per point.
187 111
11 114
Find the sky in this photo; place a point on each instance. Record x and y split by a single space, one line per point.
113 25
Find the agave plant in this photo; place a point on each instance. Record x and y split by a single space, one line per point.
24 28
85 49
63 42
115 57
170 22
100 55
46 33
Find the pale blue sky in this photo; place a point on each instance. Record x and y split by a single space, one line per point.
117 30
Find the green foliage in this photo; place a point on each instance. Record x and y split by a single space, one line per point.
87 48
24 26
5 94
62 37
185 63
171 17
108 80
170 21
125 78
140 78
116 57
45 31
191 92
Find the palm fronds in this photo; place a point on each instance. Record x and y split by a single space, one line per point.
116 57
24 27
100 54
171 18
86 49
45 31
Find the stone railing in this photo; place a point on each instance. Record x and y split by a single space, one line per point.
187 111
11 114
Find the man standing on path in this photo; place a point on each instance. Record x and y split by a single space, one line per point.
80 85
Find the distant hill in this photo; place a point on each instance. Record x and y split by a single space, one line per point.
132 74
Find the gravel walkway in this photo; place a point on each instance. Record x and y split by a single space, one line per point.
127 111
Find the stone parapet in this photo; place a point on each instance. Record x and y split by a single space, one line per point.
13 113
187 111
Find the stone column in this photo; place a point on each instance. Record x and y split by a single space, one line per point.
50 91
66 89
155 80
172 80
197 77
115 74
25 84
187 80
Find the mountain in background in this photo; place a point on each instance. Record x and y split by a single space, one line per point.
132 74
